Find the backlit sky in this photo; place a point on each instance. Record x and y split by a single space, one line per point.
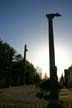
24 22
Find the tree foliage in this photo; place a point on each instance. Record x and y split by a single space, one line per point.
70 76
12 69
6 56
62 81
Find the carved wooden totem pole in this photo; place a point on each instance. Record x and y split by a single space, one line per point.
25 50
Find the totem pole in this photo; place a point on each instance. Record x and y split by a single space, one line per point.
53 69
54 85
25 50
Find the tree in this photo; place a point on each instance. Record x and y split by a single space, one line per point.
6 57
31 75
18 57
70 77
39 71
45 77
12 67
62 80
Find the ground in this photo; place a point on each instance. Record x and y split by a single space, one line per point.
22 94
25 97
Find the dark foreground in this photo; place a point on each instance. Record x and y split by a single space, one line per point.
25 97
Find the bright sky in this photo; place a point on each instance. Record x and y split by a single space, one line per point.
24 22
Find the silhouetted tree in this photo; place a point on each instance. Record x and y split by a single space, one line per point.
6 57
17 73
18 57
70 76
31 75
45 77
62 81
12 67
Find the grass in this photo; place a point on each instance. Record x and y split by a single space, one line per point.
41 105
23 105
23 94
25 97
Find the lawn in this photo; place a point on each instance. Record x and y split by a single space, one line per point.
25 97
23 105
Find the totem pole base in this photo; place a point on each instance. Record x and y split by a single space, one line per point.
55 104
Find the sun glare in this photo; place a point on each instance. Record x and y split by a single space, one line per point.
62 60
43 62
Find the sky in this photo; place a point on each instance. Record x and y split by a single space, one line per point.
24 22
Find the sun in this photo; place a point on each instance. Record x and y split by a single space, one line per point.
62 60
43 61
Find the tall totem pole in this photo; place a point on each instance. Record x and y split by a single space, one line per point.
53 69
25 50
